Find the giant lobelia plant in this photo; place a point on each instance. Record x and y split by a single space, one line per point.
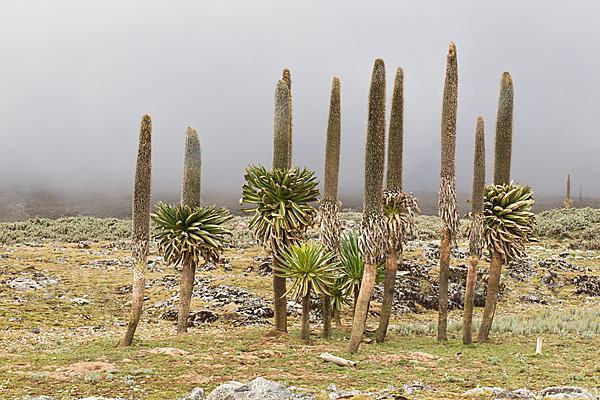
282 214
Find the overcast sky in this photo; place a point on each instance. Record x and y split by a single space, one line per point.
76 77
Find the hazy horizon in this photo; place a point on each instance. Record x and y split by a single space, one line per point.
78 77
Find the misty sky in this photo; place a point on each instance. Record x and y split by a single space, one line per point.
76 77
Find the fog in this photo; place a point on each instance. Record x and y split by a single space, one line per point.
76 77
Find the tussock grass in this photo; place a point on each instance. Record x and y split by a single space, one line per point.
584 322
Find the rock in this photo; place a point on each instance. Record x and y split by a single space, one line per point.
41 398
565 392
259 388
415 386
532 298
207 267
80 301
24 283
197 394
587 284
500 393
227 268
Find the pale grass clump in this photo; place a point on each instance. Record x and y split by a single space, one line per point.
574 321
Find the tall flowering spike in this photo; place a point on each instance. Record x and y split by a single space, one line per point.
287 78
447 203
396 135
142 197
329 205
568 201
476 240
192 170
140 240
504 128
371 240
476 231
332 149
281 126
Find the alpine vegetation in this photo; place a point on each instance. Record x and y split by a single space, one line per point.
372 238
502 159
190 196
398 207
311 268
191 188
508 223
287 78
447 202
184 234
282 214
476 237
282 160
568 201
329 205
140 238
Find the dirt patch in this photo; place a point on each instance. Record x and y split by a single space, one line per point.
85 367
20 365
417 357
170 351
193 379
275 333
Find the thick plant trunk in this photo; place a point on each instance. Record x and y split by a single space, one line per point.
469 299
356 292
491 300
185 297
362 306
389 286
326 317
137 303
279 301
443 284
336 317
305 333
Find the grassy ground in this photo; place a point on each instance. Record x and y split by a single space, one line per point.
51 345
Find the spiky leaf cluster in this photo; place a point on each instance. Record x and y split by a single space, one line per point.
353 264
399 209
310 267
282 204
508 219
185 233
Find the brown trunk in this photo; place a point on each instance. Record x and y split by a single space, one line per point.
469 298
279 301
336 317
443 285
326 317
137 303
389 285
185 297
491 299
305 333
356 292
362 305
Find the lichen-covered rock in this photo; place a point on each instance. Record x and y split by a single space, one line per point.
259 388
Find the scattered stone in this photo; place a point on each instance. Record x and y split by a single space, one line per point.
79 301
197 394
587 284
416 386
25 283
565 392
259 388
532 298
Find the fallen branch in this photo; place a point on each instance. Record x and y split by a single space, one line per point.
337 360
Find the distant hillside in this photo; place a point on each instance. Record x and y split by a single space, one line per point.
18 204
